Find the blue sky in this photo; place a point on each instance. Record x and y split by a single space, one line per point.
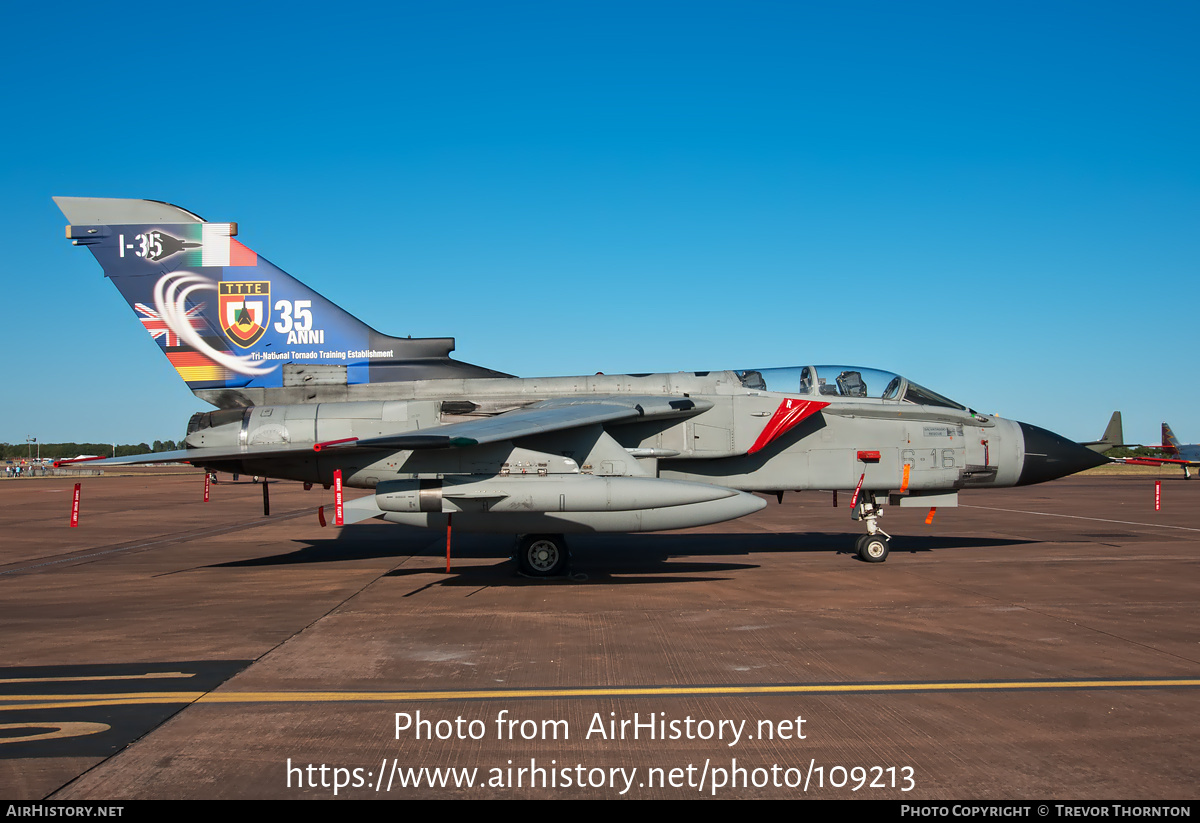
1001 201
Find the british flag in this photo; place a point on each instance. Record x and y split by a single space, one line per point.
158 327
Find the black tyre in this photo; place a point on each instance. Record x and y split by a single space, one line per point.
873 549
542 555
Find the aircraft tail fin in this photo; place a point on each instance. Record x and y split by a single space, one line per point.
1113 437
1170 443
237 329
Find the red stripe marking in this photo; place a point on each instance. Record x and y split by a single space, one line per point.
786 417
58 463
318 446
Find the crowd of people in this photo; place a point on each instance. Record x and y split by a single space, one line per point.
14 471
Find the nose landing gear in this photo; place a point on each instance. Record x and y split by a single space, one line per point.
872 547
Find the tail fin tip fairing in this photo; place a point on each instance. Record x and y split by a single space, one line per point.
227 318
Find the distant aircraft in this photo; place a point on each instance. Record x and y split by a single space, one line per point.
304 390
1112 438
1186 457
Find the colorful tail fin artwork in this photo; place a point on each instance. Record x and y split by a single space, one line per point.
237 329
1170 444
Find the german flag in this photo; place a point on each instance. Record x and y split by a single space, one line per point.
194 367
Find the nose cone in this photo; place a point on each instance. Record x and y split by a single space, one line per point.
1049 456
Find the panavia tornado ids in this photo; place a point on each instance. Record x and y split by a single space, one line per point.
306 392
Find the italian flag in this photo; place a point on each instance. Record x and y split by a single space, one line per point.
218 248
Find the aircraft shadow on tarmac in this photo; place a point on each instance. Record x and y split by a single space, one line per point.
359 542
653 558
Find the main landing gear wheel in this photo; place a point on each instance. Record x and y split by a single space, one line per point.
542 555
872 548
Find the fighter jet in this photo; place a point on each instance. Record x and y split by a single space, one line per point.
1187 457
306 392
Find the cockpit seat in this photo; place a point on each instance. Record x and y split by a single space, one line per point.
850 384
753 380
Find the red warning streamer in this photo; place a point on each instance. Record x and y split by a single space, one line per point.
75 508
207 477
857 489
337 497
1157 495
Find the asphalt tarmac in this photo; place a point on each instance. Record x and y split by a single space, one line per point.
1034 643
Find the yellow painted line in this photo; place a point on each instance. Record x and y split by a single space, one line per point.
11 702
59 730
670 691
147 676
116 700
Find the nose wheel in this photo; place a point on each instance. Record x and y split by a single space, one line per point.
872 547
542 555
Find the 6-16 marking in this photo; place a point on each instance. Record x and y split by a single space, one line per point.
909 456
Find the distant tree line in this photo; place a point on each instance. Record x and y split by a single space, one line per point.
1139 451
13 451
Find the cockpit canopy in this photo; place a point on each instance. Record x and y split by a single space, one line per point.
843 381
